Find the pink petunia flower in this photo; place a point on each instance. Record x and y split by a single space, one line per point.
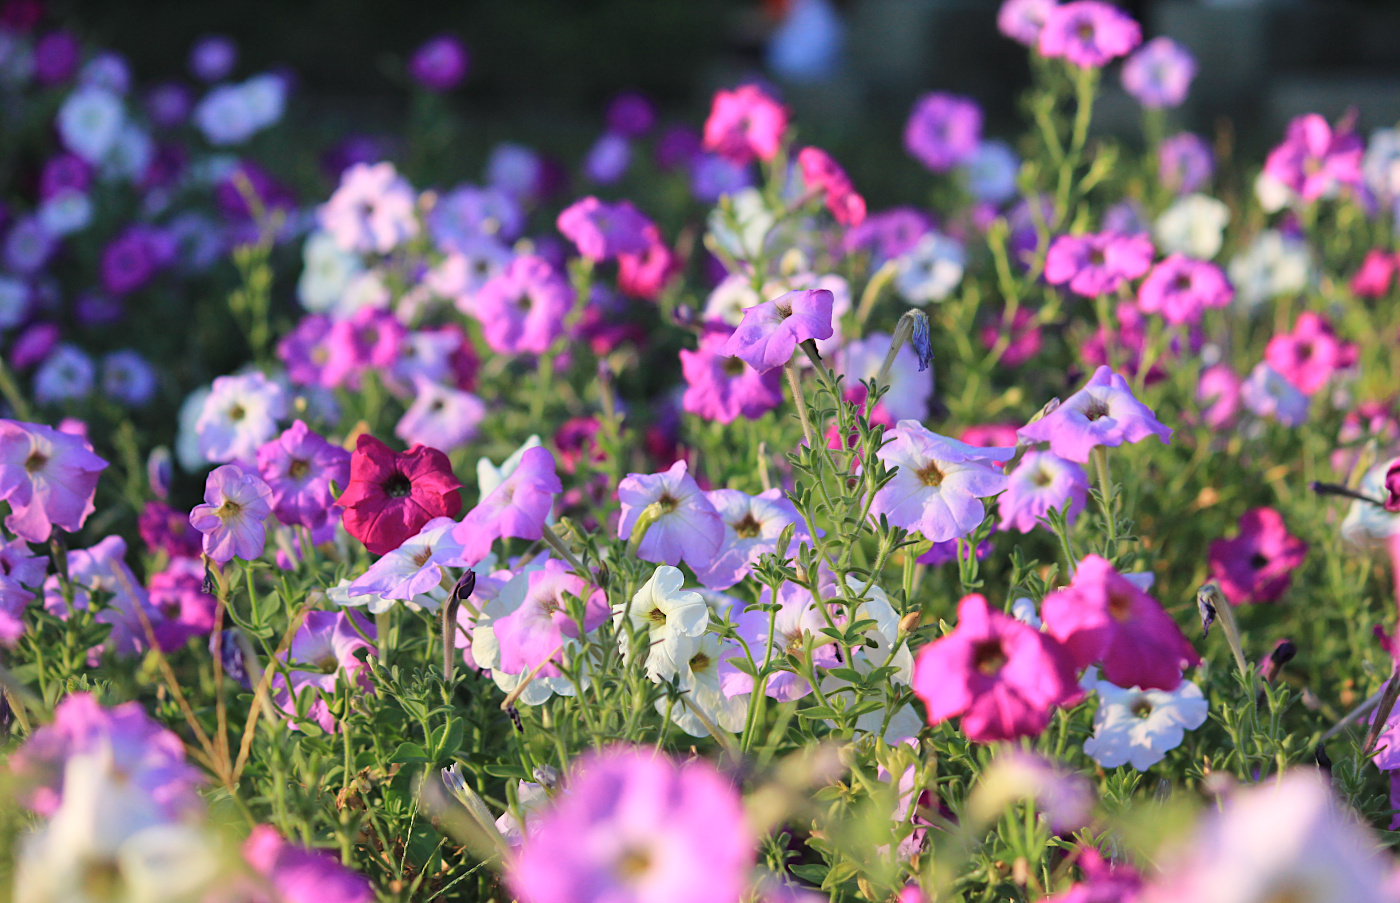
821 173
689 528
770 332
179 607
522 309
518 507
1180 289
1104 412
20 574
1373 279
745 123
1088 33
1098 263
1314 161
373 210
1042 482
235 505
1003 677
1104 617
723 388
326 649
940 482
1258 564
636 825
602 231
532 635
48 477
1311 354
646 274
414 568
1219 394
797 622
299 467
1022 20
752 524
371 339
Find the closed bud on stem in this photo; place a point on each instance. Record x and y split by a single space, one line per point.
910 622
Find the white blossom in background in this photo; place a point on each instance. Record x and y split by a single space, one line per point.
931 269
1271 266
1194 226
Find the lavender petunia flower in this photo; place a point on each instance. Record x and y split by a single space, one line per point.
688 528
1160 73
1042 482
1104 412
771 331
49 479
940 482
235 505
299 467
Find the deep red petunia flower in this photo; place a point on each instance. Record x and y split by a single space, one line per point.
392 495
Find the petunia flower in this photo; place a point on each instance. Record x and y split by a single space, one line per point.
239 415
1103 617
723 388
687 528
797 622
391 495
940 482
48 478
1311 354
670 617
519 506
179 609
1042 482
698 676
1088 33
771 331
1181 289
1098 263
299 467
486 648
820 173
439 64
532 635
522 309
943 130
373 209
1022 20
326 649
752 524
1139 727
1316 161
441 416
21 572
1003 677
1159 74
235 505
1266 393
636 825
412 570
301 875
745 124
1258 564
603 231
1103 413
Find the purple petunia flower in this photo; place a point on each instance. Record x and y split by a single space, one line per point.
522 309
299 467
630 115
752 524
1185 163
1160 73
1311 354
1097 263
1104 412
1041 482
723 388
48 477
1088 33
329 647
636 825
689 528
771 331
20 573
602 231
943 131
1022 20
413 569
179 607
940 482
798 622
300 875
235 505
1266 393
440 63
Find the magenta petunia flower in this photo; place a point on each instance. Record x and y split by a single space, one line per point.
647 274
1088 33
1022 20
532 635
822 174
1375 275
522 309
940 482
518 507
371 339
391 495
1311 354
179 607
1042 482
603 231
1314 161
1160 73
299 467
1003 677
440 63
1103 617
724 388
943 131
373 210
744 124
1097 263
1258 564
49 479
752 524
148 755
1392 488
1219 394
235 505
300 875
636 825
689 528
1180 289
770 332
1104 412
326 649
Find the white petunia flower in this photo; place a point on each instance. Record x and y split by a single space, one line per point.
1369 526
66 212
931 269
1271 266
240 414
1139 727
1194 226
742 236
729 299
670 616
326 272
698 675
1023 610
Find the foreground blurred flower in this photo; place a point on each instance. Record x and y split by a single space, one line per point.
1257 565
48 478
686 526
745 123
1064 797
1139 727
636 827
1285 839
235 505
1103 617
940 482
1003 677
299 875
1103 413
391 495
1088 33
771 331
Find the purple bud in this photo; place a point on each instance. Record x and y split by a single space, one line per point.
923 347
